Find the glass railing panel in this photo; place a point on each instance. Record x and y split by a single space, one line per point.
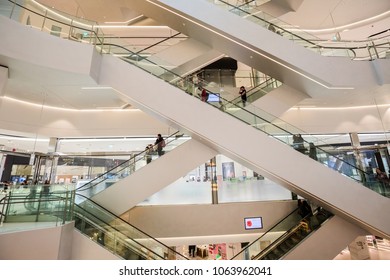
272 126
275 232
337 47
119 236
231 93
294 236
142 46
128 167
219 79
54 22
287 229
39 204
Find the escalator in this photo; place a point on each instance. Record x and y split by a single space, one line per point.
118 236
135 188
284 236
50 206
291 58
253 138
269 134
125 169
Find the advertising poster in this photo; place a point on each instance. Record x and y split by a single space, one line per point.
228 170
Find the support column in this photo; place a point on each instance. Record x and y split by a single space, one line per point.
3 81
355 142
214 183
2 163
51 161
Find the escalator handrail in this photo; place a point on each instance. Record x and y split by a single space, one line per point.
91 184
159 42
268 231
225 101
57 21
125 222
281 238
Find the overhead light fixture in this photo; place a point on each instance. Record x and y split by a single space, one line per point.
93 88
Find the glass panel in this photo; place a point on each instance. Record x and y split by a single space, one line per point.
351 49
118 236
39 203
284 236
125 168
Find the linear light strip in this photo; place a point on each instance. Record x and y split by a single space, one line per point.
67 109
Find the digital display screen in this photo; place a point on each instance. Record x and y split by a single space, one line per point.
213 97
253 222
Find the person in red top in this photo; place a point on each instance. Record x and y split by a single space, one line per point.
204 95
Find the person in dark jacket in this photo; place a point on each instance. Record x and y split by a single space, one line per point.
242 92
160 142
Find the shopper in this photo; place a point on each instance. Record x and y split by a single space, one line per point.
242 93
160 143
204 95
148 153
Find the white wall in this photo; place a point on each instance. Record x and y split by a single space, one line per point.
23 117
53 243
85 249
207 222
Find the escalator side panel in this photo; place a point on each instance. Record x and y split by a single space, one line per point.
327 242
140 185
250 147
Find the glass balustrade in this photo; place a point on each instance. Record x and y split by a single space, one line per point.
118 236
284 236
54 205
38 203
126 168
76 28
311 146
358 49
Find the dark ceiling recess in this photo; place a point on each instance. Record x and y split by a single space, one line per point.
225 63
